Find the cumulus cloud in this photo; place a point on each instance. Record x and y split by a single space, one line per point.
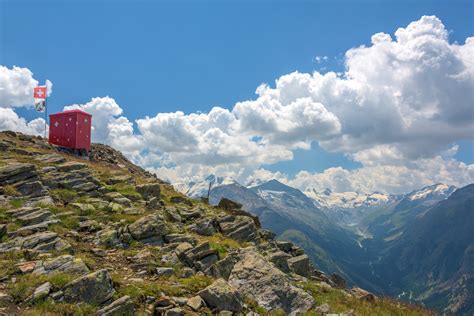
9 120
16 87
398 108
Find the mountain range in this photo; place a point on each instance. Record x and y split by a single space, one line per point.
417 246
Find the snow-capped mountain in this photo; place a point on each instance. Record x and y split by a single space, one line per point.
200 188
439 191
328 199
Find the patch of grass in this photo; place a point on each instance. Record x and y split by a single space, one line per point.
222 244
341 302
70 222
26 284
17 203
63 195
8 261
10 190
195 283
126 190
48 308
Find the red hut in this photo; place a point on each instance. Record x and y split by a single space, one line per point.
71 129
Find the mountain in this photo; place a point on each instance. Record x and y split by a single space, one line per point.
102 236
434 254
369 237
200 189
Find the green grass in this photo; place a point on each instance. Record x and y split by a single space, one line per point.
340 302
26 284
222 244
17 203
126 190
63 195
48 308
10 190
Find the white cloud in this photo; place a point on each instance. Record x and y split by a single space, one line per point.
9 120
16 87
398 108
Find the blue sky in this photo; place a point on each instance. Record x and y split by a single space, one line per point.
162 56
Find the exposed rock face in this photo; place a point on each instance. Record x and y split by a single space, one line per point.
200 257
240 228
300 265
227 204
24 179
94 288
148 191
222 297
255 277
121 306
65 263
147 227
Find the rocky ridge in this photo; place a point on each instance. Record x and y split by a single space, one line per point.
103 236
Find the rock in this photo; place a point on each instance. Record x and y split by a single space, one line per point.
204 227
44 241
323 309
35 217
115 207
149 190
120 179
108 237
65 263
223 268
222 296
94 288
300 265
154 203
70 166
180 199
5 299
259 279
280 260
195 302
148 226
41 292
227 204
363 294
187 272
240 228
122 306
89 226
180 238
164 272
284 245
84 209
3 230
175 311
26 267
14 173
338 280
200 257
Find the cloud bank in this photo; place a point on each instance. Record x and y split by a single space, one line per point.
398 109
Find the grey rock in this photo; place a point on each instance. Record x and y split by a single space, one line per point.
241 228
284 245
175 311
41 292
148 226
255 277
65 263
300 265
222 296
120 307
338 280
70 166
204 227
149 190
323 309
93 288
164 271
280 260
195 303
227 204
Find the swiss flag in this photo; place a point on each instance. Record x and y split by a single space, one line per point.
40 92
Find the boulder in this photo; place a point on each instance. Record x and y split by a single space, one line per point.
164 272
65 263
363 294
148 226
94 288
259 279
200 257
338 280
280 260
204 227
195 303
222 296
227 204
119 307
300 265
149 190
240 228
40 293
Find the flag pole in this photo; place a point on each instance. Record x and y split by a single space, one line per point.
45 111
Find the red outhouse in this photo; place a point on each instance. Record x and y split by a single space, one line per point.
70 129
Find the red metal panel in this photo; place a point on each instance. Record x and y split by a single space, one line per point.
71 129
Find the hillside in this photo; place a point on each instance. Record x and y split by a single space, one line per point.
105 237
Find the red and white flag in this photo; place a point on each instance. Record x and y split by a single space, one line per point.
40 98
